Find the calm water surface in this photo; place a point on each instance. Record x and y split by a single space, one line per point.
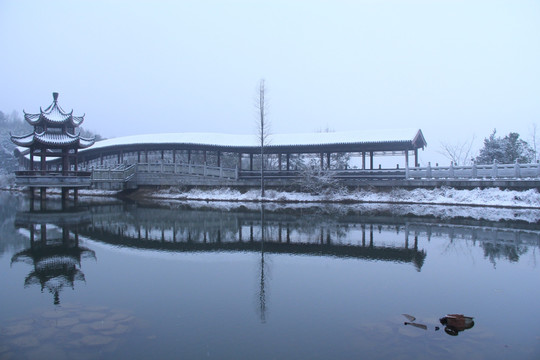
109 279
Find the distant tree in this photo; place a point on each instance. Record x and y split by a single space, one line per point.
263 127
534 140
459 153
89 134
505 150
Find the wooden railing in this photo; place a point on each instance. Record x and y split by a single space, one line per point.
121 173
52 173
188 169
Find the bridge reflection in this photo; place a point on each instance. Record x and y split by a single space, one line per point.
55 253
376 236
191 230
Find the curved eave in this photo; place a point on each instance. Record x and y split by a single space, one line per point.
53 115
419 141
56 140
85 143
24 140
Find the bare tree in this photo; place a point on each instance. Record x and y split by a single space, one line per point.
263 127
459 153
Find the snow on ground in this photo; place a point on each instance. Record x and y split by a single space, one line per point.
505 205
366 209
440 196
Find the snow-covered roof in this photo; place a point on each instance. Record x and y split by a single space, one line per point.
53 115
252 140
51 139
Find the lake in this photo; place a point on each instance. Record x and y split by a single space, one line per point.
110 279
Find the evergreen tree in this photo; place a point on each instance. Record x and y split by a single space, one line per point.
505 150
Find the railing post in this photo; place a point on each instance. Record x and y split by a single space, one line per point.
494 171
517 169
451 170
406 170
428 170
474 170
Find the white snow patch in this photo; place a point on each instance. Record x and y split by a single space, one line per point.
442 196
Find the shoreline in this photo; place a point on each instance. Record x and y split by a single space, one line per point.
477 198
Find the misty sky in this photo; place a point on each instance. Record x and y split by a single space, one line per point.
454 69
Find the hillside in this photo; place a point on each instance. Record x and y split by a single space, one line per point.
10 123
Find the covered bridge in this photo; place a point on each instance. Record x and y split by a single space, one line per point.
239 151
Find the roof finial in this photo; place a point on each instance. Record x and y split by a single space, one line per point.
55 96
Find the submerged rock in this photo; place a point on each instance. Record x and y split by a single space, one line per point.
92 316
94 340
16 329
103 325
26 341
64 322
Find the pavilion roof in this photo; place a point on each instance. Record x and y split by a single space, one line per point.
412 137
52 140
53 115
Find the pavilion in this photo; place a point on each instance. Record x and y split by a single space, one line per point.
55 136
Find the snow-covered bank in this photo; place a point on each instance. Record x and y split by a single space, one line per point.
441 196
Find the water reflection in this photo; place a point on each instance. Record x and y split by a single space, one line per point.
54 251
380 237
337 288
193 230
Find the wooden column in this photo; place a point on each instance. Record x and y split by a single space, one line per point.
43 165
279 162
416 158
250 162
328 161
406 159
174 156
239 161
363 160
32 159
371 160
288 161
219 158
322 161
189 156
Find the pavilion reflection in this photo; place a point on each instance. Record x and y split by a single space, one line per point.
54 253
